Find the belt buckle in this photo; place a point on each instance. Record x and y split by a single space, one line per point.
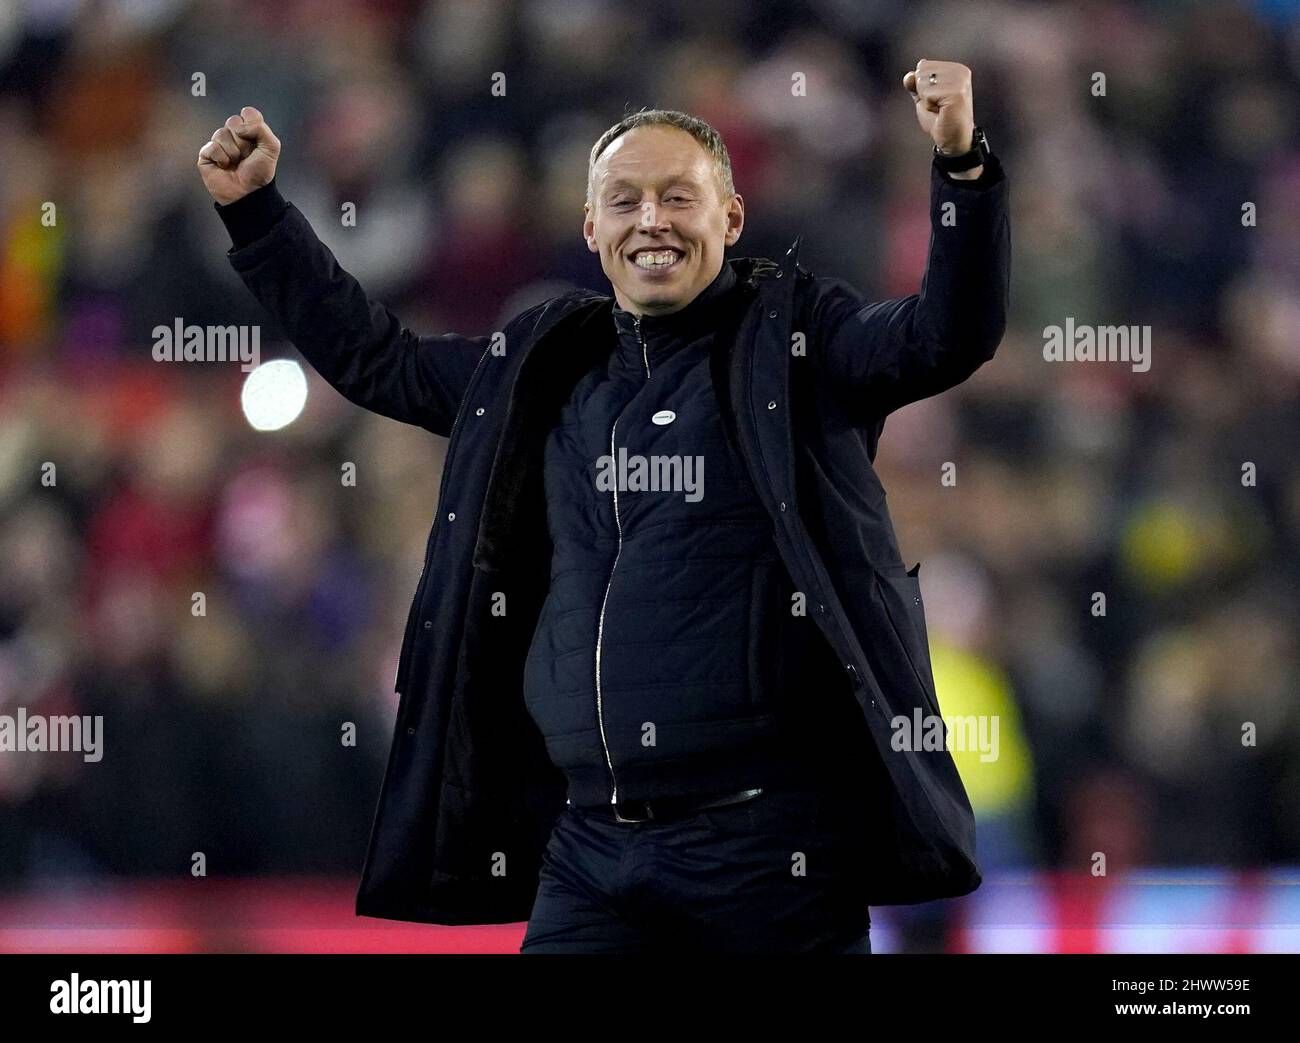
618 815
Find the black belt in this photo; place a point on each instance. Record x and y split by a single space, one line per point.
669 807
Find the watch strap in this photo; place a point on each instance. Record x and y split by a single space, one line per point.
979 152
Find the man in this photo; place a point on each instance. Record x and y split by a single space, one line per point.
649 676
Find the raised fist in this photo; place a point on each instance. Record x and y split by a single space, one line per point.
945 106
240 157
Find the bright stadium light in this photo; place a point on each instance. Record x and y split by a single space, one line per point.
274 394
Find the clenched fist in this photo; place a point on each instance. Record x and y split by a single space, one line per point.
944 105
240 157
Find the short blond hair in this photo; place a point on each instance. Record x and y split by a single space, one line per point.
709 138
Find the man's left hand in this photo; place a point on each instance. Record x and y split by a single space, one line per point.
945 106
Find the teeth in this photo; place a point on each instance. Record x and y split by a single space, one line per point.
650 259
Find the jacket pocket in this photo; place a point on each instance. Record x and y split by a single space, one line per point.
900 593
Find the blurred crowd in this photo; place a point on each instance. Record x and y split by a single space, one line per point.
1174 493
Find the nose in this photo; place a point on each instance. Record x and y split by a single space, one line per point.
649 221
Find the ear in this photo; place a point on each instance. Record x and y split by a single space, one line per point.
589 229
735 219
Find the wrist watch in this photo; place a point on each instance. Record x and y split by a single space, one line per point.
979 152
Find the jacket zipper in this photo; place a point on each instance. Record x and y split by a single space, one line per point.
640 336
600 624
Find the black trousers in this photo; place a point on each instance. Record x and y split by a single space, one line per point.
778 873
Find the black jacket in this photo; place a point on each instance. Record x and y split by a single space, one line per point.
469 795
669 658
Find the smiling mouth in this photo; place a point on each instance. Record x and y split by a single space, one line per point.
656 260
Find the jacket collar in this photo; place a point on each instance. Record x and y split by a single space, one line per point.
651 337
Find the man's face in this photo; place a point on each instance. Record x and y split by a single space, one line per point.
655 192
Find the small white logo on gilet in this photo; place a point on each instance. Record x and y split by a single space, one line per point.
664 416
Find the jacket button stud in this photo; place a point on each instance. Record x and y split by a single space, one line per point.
782 505
428 624
451 515
779 274
410 731
479 411
853 673
771 314
772 404
821 608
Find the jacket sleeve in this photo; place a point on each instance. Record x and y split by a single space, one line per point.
354 342
889 353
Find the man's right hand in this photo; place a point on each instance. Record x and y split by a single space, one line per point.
240 158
